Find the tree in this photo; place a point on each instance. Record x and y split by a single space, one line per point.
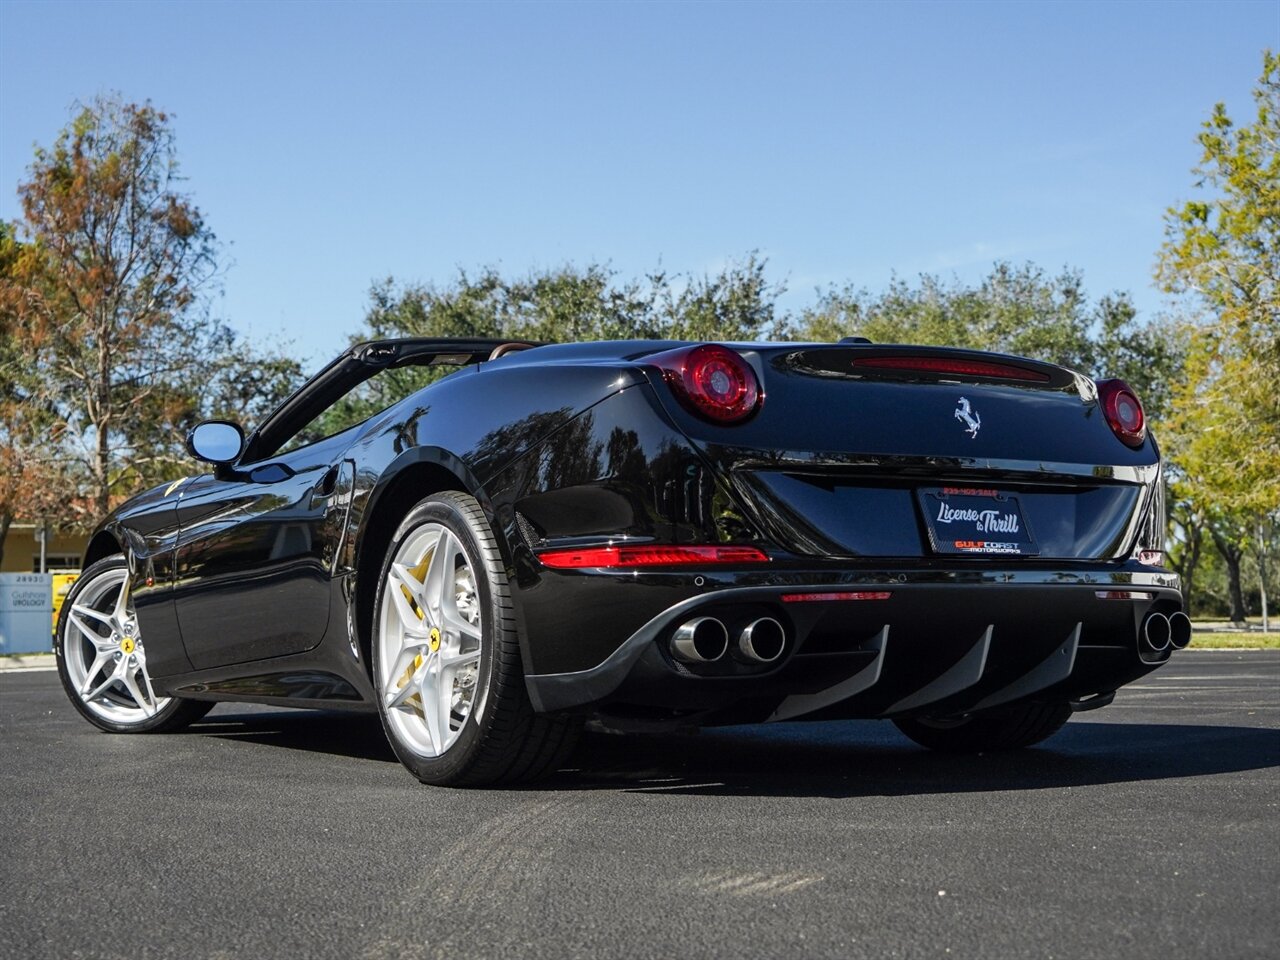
737 303
1186 545
31 479
1222 252
1017 310
563 305
108 300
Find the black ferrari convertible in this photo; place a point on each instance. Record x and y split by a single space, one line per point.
642 534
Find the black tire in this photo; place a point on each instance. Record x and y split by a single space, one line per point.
173 715
1010 728
506 742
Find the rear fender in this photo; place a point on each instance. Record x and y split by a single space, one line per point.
414 475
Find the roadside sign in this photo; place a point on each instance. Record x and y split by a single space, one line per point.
26 603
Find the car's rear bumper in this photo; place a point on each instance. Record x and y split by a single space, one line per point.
889 643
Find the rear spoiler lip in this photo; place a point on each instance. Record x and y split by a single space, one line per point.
802 360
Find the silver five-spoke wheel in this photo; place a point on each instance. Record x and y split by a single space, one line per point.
106 662
446 659
430 641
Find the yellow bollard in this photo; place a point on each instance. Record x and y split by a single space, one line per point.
62 581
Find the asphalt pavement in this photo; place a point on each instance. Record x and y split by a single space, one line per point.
1148 829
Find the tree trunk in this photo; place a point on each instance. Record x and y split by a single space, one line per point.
1266 616
5 520
1190 560
1263 542
1231 554
1233 584
102 453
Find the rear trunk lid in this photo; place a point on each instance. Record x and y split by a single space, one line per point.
886 451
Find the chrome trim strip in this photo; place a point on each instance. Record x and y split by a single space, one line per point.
792 461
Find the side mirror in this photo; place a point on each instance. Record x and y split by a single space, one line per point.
215 441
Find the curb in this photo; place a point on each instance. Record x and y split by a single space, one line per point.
28 662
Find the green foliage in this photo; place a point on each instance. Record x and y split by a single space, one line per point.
1223 249
563 305
1222 254
105 307
1017 310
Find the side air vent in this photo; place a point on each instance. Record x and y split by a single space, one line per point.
528 532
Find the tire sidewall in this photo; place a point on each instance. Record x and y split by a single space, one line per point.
446 510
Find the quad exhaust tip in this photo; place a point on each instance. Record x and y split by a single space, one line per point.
700 640
1156 632
762 641
1179 630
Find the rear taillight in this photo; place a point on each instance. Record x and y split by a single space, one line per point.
1123 410
712 381
650 555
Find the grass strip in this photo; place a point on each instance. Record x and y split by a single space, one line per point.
1237 641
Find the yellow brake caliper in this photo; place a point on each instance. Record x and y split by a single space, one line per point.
420 574
408 672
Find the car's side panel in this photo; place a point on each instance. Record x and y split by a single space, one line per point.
618 472
332 674
255 567
254 556
488 414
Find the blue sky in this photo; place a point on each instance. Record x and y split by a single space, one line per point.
333 144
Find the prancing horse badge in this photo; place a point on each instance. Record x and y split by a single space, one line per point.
969 417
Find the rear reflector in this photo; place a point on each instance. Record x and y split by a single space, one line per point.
1124 595
649 556
844 595
963 368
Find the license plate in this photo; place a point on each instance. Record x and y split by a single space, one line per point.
974 520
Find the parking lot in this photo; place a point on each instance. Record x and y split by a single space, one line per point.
1148 829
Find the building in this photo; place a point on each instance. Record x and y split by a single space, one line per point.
22 549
